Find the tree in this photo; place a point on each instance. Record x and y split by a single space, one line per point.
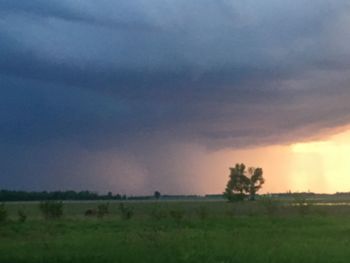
157 194
237 184
256 181
241 184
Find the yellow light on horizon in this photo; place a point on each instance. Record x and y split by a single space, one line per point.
314 147
323 163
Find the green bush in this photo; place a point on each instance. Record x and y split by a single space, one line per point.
202 212
22 217
90 212
102 210
51 209
302 204
177 214
126 212
3 213
271 205
158 214
233 197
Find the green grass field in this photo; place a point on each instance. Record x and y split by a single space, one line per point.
179 232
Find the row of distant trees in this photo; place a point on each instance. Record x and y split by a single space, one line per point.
242 183
8 195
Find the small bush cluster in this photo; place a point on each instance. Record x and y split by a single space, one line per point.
51 209
231 197
177 214
158 214
22 217
202 212
102 210
3 213
271 206
90 212
126 212
302 204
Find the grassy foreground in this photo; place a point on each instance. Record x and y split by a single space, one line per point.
205 232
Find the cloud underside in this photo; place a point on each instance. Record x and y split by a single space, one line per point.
124 77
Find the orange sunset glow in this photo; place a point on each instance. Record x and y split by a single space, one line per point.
316 165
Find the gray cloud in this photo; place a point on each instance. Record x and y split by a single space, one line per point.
121 78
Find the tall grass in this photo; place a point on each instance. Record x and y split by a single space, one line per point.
263 231
3 213
51 209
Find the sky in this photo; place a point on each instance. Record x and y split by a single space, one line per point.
144 95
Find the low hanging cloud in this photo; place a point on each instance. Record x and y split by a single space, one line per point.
87 86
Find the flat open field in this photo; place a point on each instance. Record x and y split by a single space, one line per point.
169 231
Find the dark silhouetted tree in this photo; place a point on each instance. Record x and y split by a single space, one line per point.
256 181
240 184
157 195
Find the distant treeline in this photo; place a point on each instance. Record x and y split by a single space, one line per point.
8 195
174 197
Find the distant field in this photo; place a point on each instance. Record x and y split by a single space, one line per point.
174 231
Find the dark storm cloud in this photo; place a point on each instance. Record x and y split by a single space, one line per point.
122 77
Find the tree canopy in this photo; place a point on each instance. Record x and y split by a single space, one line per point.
243 182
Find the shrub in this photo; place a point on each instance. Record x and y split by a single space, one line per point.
158 214
126 212
90 212
202 212
177 214
102 210
3 213
51 209
271 206
22 217
232 197
302 204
